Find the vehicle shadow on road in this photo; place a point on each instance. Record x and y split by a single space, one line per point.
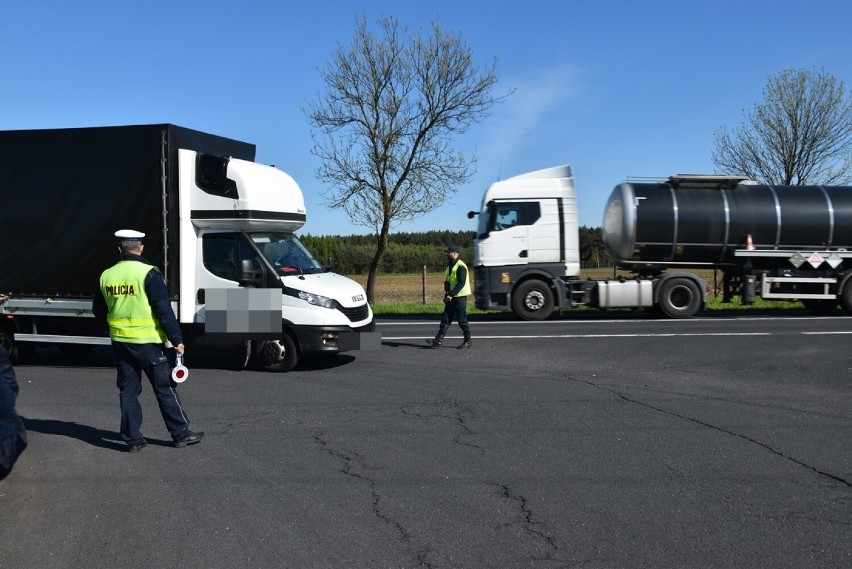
95 437
423 346
316 363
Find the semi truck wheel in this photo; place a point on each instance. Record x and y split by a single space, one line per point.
679 298
532 300
846 297
277 355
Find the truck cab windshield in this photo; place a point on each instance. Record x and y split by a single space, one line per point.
286 253
506 215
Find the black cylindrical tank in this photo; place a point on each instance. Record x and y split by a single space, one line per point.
704 219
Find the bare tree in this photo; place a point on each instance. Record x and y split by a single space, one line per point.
386 120
801 134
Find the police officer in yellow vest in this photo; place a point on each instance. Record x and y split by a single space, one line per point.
456 291
135 302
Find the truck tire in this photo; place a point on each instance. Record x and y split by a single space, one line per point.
846 297
19 352
679 298
277 355
6 342
532 300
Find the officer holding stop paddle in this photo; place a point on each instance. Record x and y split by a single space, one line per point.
135 303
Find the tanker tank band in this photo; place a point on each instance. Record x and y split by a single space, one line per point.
705 181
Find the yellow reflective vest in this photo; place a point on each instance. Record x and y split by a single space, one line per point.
130 317
451 276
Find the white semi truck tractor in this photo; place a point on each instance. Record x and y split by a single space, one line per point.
774 242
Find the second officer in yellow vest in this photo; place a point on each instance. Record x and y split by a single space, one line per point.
456 292
135 302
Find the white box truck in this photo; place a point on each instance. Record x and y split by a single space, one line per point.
214 220
776 242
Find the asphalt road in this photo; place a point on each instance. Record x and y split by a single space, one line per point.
594 442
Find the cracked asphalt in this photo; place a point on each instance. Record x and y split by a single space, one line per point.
593 442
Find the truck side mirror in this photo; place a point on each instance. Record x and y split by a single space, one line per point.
249 274
472 214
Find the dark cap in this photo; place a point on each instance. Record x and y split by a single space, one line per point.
452 249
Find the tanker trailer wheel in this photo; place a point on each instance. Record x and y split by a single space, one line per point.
846 297
532 300
277 355
679 298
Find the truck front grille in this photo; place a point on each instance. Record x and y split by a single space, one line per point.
357 313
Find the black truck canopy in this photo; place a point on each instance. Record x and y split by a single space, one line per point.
64 193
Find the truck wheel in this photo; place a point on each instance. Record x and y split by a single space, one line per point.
846 297
532 300
679 298
277 355
6 342
18 352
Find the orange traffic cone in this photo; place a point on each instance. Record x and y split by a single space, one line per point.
749 243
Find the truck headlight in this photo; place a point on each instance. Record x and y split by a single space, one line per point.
316 299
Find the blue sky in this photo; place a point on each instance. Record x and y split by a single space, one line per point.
615 89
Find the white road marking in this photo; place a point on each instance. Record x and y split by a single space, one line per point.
479 325
543 336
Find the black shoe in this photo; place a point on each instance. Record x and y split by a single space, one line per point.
465 344
191 439
137 447
436 341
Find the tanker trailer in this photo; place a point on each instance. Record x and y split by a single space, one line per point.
776 242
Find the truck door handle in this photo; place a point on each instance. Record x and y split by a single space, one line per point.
523 254
200 296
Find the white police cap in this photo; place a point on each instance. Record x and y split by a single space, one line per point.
129 235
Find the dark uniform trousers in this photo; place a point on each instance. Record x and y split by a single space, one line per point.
131 360
456 309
